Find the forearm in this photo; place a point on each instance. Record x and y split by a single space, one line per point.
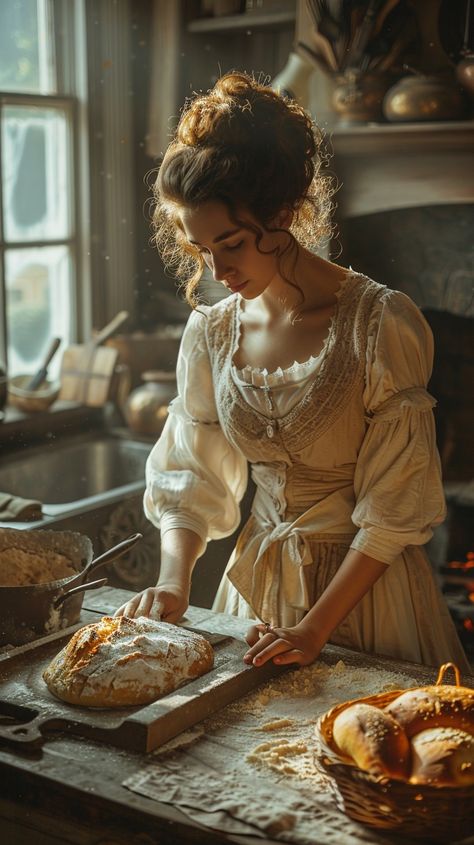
180 549
354 578
303 642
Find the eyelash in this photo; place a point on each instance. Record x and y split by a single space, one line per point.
203 251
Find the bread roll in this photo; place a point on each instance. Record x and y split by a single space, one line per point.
432 707
374 740
443 757
120 662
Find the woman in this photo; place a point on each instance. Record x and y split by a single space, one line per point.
311 373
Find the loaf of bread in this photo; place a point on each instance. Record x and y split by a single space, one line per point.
434 707
443 757
119 662
373 740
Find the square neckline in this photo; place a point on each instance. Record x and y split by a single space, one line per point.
298 370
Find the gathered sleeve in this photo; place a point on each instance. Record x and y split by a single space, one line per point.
194 478
398 488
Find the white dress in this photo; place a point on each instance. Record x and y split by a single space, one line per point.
342 451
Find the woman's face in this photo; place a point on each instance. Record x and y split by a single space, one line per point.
230 251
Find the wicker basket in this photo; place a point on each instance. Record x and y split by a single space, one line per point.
438 814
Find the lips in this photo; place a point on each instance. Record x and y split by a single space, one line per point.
236 288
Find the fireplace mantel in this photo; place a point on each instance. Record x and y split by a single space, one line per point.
385 167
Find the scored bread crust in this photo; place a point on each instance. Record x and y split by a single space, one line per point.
120 662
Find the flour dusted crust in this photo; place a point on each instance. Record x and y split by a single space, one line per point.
120 662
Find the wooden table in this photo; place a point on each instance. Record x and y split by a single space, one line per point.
69 791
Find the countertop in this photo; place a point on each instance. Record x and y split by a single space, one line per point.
70 790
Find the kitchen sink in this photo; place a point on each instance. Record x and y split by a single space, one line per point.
70 473
94 483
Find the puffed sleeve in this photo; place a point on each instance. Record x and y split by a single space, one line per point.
398 488
195 478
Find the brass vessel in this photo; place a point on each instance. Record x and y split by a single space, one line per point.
424 98
146 408
358 97
465 73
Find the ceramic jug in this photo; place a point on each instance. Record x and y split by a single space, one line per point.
146 408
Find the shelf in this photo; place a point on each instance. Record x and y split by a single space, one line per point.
245 21
393 137
384 167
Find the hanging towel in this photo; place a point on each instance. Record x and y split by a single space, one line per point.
16 509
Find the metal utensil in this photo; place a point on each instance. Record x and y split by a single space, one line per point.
40 376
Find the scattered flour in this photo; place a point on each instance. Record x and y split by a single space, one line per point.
253 770
306 693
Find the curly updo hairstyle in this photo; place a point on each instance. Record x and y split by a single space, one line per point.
246 146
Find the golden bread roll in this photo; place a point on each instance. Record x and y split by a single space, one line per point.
435 706
119 662
443 757
374 740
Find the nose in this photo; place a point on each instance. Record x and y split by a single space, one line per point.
220 269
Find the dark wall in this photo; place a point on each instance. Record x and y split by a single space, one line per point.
150 272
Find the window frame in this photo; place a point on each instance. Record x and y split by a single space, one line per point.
67 24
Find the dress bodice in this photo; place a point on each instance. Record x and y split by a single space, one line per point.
336 381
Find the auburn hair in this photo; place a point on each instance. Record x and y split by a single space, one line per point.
247 146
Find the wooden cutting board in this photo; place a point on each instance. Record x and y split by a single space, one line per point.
36 713
87 373
87 369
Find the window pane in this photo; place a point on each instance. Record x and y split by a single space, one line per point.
36 180
39 306
26 47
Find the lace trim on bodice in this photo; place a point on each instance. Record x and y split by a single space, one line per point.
341 371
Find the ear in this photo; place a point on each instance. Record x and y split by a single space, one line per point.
283 219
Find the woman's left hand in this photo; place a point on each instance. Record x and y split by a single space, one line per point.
282 645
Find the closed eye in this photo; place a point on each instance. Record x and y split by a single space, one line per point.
235 246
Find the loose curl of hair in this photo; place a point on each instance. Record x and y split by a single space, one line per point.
246 146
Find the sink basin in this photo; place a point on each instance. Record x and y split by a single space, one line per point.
71 472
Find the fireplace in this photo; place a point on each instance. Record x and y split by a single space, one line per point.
406 218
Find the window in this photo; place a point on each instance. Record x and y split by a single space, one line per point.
39 236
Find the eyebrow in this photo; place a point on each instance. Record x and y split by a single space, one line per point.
221 237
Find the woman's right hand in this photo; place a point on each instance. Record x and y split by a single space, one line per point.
163 602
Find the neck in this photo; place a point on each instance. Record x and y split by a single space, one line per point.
306 282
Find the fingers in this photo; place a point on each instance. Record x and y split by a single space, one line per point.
292 656
254 633
157 609
275 644
139 605
173 616
267 648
